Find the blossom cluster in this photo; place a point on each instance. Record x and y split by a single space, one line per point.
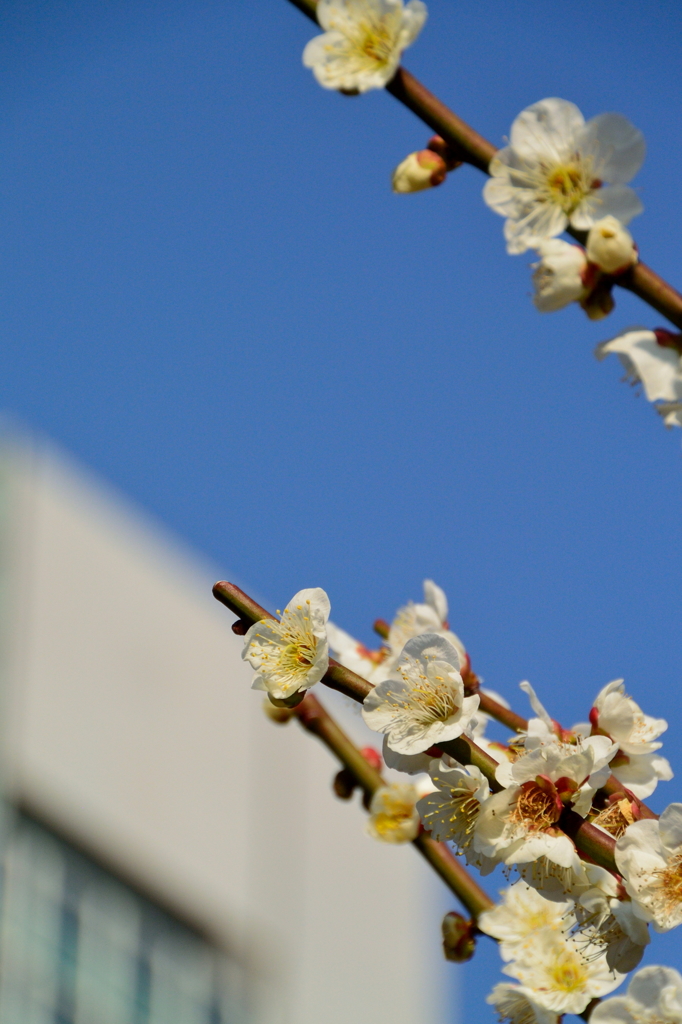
568 930
557 173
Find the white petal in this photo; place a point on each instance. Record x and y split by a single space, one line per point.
657 367
639 840
618 147
648 984
499 194
546 130
537 707
670 828
613 1011
414 16
435 597
541 221
411 764
429 645
618 201
320 606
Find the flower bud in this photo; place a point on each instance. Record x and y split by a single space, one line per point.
558 277
459 940
373 758
280 715
599 303
610 246
393 816
287 702
344 784
419 171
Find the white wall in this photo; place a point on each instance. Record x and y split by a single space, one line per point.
130 724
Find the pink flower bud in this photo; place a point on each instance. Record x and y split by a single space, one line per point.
419 171
372 757
610 246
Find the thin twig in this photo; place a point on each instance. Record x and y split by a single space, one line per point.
470 147
317 720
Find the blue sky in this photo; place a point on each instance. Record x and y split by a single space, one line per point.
209 294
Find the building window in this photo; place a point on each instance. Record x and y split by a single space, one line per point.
78 946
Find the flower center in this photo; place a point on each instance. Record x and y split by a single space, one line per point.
542 870
616 817
376 43
387 822
642 731
464 810
568 972
428 701
668 884
298 654
567 185
536 808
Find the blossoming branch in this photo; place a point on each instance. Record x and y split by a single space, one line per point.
593 870
558 173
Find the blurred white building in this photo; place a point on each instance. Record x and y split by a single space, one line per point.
170 855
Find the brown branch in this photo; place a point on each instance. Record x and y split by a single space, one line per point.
597 845
500 713
316 720
470 147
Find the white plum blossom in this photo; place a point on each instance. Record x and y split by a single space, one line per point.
654 996
618 715
559 276
554 171
637 765
425 704
649 857
417 764
563 973
413 619
430 616
355 656
393 816
291 653
449 813
607 919
652 359
363 41
610 246
520 824
543 732
521 913
515 1005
